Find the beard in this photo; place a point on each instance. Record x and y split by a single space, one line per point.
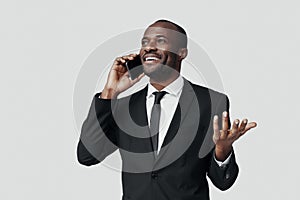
161 71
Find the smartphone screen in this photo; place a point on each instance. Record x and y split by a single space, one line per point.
134 67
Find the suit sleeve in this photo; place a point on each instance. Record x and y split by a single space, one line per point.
223 177
98 137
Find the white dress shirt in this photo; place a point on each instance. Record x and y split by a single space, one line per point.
168 107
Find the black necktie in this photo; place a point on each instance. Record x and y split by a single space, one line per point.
155 117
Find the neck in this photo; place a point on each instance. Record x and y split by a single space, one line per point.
161 84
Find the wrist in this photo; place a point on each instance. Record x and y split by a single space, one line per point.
109 93
222 153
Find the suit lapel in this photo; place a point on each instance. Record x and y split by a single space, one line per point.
138 114
177 129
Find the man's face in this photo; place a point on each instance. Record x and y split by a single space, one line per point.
159 51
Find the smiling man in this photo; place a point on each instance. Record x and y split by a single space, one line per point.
160 129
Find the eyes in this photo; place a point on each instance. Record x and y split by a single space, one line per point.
161 41
158 41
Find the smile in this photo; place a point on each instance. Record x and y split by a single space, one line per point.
151 58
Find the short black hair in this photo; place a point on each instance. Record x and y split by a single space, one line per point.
178 28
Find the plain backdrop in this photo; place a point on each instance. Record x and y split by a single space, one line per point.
253 44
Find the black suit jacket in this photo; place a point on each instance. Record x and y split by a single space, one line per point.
180 170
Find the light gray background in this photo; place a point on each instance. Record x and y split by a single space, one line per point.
254 45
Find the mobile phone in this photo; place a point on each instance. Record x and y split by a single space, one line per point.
134 67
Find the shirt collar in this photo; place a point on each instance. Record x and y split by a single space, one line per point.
173 88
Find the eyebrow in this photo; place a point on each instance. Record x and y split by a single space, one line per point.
157 36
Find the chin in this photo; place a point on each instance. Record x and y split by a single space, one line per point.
157 74
151 69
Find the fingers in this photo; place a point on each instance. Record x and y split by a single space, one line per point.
235 129
249 126
222 134
119 60
238 128
129 57
216 123
216 136
243 125
227 136
225 126
225 121
123 59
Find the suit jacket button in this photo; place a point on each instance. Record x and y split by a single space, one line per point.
154 175
227 176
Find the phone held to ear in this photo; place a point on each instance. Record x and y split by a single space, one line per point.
134 67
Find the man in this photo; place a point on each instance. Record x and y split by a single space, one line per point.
164 132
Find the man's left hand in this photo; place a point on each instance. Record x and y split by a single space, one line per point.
226 137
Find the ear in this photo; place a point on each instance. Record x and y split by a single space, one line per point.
182 53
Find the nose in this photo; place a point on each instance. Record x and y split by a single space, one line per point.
151 46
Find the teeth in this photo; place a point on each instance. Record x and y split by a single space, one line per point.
151 58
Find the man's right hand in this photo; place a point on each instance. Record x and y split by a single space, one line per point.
118 78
